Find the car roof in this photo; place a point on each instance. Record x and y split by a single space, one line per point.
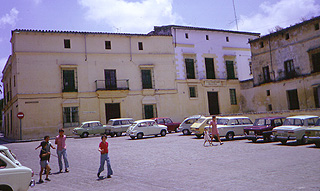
303 116
90 122
277 117
234 117
118 119
161 118
144 120
3 147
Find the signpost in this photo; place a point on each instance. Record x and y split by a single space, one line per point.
20 115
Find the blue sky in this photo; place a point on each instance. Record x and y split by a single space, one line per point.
139 16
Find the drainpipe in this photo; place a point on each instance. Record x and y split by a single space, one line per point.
85 47
274 76
130 48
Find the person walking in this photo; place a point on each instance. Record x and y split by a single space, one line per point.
214 130
103 149
44 165
62 150
49 145
206 137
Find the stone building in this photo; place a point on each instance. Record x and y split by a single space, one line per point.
209 65
286 70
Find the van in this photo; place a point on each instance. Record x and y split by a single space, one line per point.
118 126
184 127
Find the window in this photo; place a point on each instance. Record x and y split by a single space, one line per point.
149 111
227 39
233 96
269 107
268 92
190 68
315 58
110 79
293 101
107 44
69 80
250 67
67 43
146 79
140 45
316 26
207 37
192 92
261 45
287 36
266 74
186 35
209 68
289 69
70 116
230 69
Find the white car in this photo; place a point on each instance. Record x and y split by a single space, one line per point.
13 176
146 127
294 128
184 127
232 126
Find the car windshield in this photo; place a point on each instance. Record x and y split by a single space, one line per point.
200 120
110 122
318 122
293 121
222 121
262 122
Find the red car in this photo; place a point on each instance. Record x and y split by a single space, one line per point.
262 128
172 126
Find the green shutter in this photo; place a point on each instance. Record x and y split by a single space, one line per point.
190 68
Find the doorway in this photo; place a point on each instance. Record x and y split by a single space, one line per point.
112 111
213 103
293 101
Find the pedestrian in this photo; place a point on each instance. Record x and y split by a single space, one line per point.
44 155
62 150
49 145
103 149
206 137
214 130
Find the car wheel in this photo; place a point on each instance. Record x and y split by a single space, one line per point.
229 136
267 138
85 134
176 130
132 137
283 142
118 134
198 136
139 136
163 132
317 144
112 134
302 141
254 140
5 187
186 132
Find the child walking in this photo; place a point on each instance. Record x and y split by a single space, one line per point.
44 155
49 145
207 137
103 149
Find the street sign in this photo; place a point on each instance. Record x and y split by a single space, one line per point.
20 115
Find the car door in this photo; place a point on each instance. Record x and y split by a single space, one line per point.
153 128
143 127
168 122
124 125
116 126
94 128
234 125
243 122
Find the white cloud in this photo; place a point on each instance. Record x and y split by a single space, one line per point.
125 16
3 62
283 13
10 18
37 1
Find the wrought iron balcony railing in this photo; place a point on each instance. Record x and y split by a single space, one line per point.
112 85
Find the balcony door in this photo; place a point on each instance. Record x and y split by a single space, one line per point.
110 79
213 103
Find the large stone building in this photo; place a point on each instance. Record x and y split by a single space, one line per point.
286 70
60 79
209 65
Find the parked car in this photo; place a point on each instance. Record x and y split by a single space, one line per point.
313 134
184 127
262 128
172 126
146 127
118 126
89 127
294 128
13 176
197 127
232 126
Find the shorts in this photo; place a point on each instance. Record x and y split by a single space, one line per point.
43 163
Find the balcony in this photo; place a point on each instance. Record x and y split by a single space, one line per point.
112 85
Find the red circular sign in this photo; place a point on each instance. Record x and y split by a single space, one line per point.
20 115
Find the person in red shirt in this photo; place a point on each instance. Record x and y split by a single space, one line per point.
214 130
103 149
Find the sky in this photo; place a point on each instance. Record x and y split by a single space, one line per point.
140 16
